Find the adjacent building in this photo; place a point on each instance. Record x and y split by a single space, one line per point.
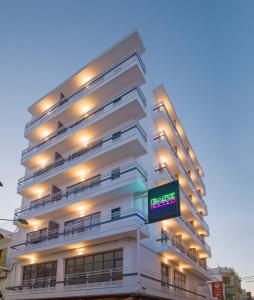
231 281
96 144
5 265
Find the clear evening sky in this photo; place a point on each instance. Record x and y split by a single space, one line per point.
202 51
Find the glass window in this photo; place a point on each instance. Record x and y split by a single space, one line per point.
88 263
115 173
79 264
98 262
179 279
164 275
115 213
85 223
40 275
88 267
69 269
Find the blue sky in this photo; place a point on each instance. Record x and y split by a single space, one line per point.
202 51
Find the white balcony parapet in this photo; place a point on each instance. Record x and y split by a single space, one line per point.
128 220
82 121
195 233
165 242
115 281
162 108
164 167
85 90
162 136
72 158
82 190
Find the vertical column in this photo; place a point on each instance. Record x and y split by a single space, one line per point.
60 270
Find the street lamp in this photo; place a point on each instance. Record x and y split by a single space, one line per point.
21 221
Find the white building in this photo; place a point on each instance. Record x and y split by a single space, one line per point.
97 143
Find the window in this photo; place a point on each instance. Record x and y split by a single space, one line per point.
37 236
83 224
116 135
98 267
179 279
40 275
115 213
164 275
115 173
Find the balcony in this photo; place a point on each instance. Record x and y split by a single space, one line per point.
104 229
65 102
164 148
87 283
130 103
178 252
128 179
118 281
129 141
186 224
162 110
163 168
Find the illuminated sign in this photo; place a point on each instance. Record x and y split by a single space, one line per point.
217 289
229 291
164 202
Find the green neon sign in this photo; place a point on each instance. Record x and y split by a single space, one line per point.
164 202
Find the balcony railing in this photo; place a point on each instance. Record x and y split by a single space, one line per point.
164 166
192 229
112 72
82 153
168 240
95 282
74 125
95 276
81 189
69 232
162 136
83 278
162 107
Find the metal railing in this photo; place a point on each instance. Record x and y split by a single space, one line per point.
92 277
164 166
111 72
162 107
82 188
192 229
163 136
80 122
67 232
82 153
151 281
169 240
69 280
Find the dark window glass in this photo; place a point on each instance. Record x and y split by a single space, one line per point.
94 268
40 275
164 275
179 279
116 135
115 213
82 224
115 173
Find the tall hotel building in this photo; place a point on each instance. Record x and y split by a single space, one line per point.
97 143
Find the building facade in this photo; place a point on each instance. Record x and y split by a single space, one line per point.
5 265
231 281
97 143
